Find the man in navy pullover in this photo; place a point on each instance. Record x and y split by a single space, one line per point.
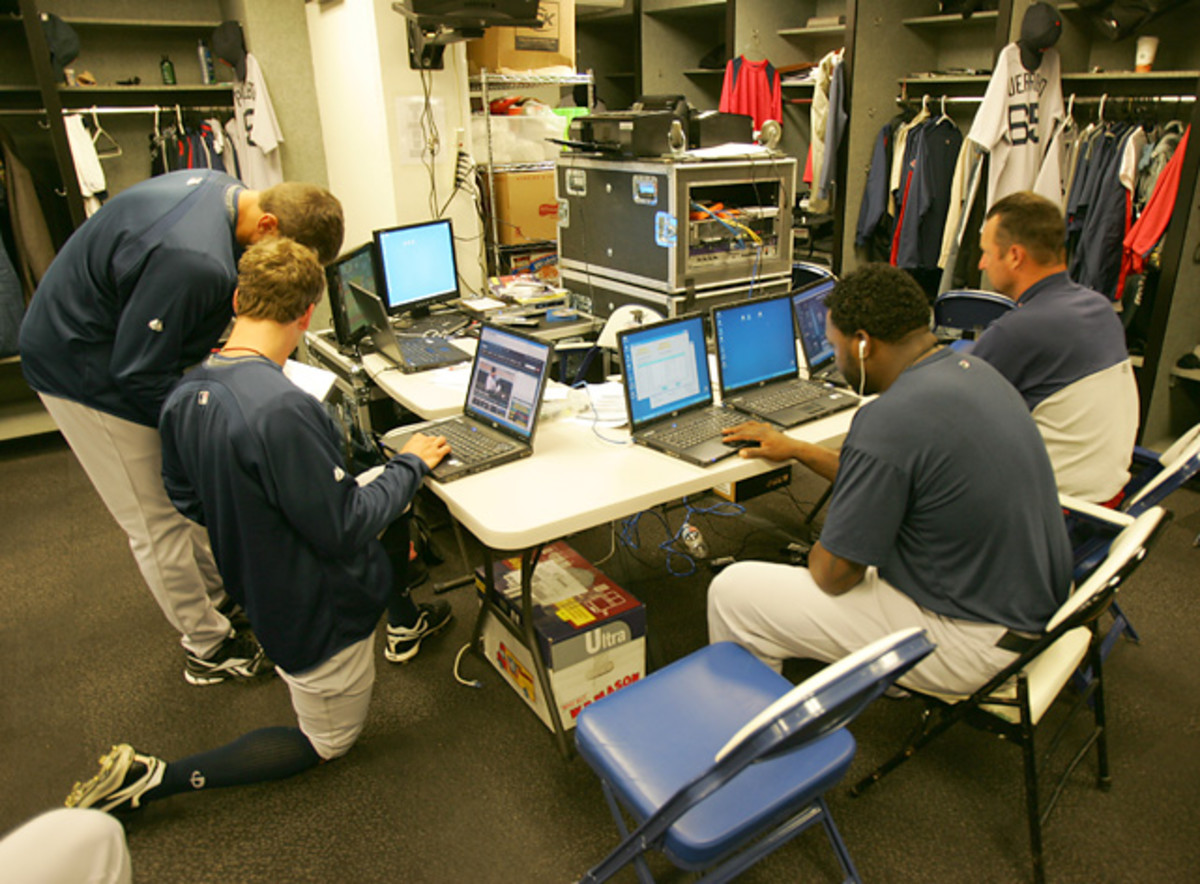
1062 347
140 292
258 461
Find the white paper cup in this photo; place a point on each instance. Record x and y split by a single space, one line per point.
1147 48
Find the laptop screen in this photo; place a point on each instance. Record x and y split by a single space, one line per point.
357 267
756 342
666 368
416 265
809 305
507 377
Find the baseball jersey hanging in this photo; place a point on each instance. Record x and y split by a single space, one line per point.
1016 120
254 131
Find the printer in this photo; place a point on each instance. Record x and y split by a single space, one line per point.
657 125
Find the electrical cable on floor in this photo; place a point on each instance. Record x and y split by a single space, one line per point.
471 682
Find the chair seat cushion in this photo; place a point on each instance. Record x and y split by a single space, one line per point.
655 736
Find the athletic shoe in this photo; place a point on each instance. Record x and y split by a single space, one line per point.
239 656
124 777
234 613
403 642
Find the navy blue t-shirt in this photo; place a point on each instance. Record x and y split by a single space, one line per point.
141 291
944 485
258 461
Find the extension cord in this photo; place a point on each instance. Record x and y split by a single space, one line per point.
462 168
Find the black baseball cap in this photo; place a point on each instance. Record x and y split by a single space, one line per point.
229 45
1040 29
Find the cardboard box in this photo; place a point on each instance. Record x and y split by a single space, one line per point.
526 207
592 633
528 49
744 489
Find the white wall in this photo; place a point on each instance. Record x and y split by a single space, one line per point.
364 90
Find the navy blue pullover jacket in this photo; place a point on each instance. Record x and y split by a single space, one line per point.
258 461
141 291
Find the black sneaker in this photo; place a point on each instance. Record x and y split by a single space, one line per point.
234 613
239 656
403 642
124 777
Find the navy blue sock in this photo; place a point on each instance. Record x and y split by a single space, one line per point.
402 611
270 753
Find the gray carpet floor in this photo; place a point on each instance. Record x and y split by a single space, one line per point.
453 784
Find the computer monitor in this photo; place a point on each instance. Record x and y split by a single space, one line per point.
415 266
474 13
355 267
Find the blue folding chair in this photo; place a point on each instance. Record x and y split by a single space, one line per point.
1093 528
720 760
965 313
804 272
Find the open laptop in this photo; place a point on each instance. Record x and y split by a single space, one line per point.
669 394
504 396
410 353
758 368
808 304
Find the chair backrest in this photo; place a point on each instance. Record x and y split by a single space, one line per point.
804 273
625 316
831 698
1125 553
969 309
1177 464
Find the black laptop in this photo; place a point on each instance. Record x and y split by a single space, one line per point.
504 396
669 394
758 367
411 353
808 304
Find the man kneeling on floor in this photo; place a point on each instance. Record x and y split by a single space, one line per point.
944 513
258 461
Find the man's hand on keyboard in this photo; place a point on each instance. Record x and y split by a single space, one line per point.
430 449
757 439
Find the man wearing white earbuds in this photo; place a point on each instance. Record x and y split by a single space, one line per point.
944 513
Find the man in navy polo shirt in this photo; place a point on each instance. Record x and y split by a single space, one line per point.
1062 347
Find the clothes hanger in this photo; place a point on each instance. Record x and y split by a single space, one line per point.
944 117
111 148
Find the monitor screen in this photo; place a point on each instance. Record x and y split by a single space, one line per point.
756 342
510 371
415 266
357 267
666 368
809 304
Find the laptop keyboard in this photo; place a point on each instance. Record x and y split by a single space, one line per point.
470 445
786 397
696 429
421 351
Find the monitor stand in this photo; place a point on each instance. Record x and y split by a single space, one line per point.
421 322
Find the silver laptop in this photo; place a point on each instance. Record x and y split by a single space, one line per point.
508 380
412 353
758 368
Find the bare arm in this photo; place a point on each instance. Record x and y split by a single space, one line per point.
834 574
774 445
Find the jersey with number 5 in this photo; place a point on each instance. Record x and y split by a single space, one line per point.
1016 120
